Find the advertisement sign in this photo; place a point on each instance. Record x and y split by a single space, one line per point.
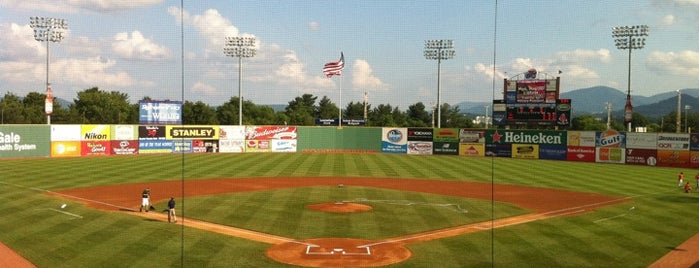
669 141
151 132
24 141
231 139
448 148
553 152
95 147
581 154
471 136
191 132
420 134
124 132
610 155
284 146
694 142
124 147
65 133
420 147
231 133
95 132
258 146
526 136
498 150
231 146
694 159
675 158
182 146
640 140
159 112
643 157
270 132
65 148
581 138
610 138
151 146
446 135
394 140
526 151
204 146
472 149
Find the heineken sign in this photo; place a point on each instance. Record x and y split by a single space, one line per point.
526 137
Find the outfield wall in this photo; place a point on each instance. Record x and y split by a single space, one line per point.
648 149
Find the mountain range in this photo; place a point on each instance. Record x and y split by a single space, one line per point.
593 100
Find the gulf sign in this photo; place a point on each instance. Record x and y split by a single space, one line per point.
610 138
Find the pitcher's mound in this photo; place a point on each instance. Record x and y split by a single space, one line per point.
340 207
338 252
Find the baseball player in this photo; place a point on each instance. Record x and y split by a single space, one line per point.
145 200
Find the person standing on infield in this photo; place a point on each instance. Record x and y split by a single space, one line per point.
680 178
171 210
145 200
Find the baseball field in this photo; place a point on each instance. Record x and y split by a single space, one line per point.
339 210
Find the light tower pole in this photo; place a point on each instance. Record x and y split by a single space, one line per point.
629 38
48 30
241 47
678 121
686 114
439 50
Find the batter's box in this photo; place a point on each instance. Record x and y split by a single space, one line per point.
357 251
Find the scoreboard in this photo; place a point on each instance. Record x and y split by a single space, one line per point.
532 102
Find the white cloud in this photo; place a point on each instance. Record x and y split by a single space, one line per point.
204 89
582 55
313 26
363 77
18 43
138 47
684 63
667 20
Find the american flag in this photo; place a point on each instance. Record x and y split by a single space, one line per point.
335 67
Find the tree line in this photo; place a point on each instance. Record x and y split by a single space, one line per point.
95 106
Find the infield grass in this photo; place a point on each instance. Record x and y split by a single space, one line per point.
615 236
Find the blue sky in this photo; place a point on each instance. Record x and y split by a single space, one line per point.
137 47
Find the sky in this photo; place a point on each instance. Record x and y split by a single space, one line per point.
173 50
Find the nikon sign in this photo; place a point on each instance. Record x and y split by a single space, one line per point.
526 137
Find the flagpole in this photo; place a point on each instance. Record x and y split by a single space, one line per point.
341 79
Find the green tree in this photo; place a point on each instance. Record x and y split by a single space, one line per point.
12 110
94 106
452 117
418 116
301 110
227 113
198 113
381 116
355 110
587 122
327 109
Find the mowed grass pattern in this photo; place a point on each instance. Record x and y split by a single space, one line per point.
616 236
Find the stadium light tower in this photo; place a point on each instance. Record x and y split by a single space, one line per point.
241 47
678 117
439 50
48 30
629 38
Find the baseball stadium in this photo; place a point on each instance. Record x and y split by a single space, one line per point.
360 133
334 202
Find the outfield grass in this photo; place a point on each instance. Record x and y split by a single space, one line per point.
613 236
